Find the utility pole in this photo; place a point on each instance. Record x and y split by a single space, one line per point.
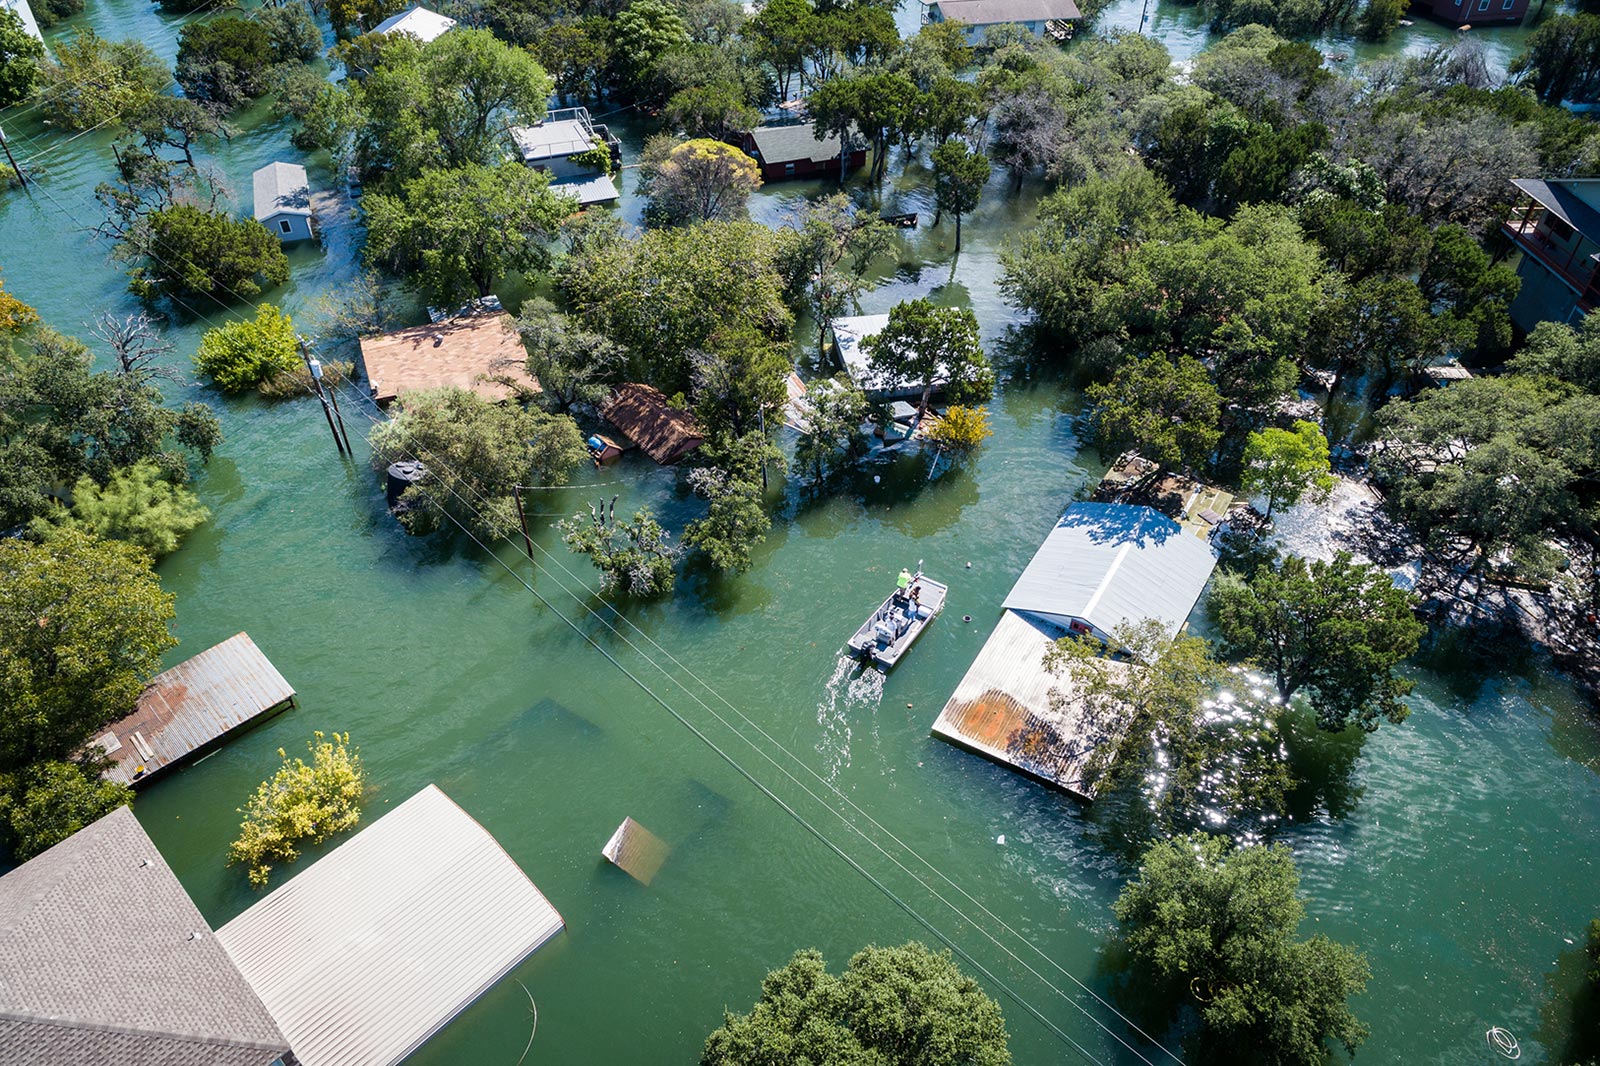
522 520
333 394
23 178
315 369
1143 12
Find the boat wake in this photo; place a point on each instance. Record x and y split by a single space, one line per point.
850 688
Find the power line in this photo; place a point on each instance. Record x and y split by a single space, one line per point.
848 823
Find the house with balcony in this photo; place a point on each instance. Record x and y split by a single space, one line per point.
1473 12
1556 230
568 145
1053 18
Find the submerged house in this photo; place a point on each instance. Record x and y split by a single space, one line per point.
577 152
1473 12
1103 565
477 351
283 201
642 413
356 960
1556 230
419 22
1055 18
795 151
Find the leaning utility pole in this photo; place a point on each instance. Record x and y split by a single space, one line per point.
23 178
314 368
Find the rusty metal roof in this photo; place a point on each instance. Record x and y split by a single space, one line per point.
641 411
192 705
636 851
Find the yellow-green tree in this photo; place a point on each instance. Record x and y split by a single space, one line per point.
698 181
961 429
301 802
243 354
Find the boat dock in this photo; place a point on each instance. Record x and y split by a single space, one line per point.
192 707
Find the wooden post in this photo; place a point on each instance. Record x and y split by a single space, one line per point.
522 520
23 178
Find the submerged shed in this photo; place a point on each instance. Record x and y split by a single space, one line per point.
192 707
364 955
635 851
282 195
666 433
1106 564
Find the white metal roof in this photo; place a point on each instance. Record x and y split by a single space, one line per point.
588 189
999 12
281 189
23 11
553 139
848 333
1110 563
364 955
418 21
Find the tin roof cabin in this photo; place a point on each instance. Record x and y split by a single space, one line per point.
1053 18
795 151
552 145
283 201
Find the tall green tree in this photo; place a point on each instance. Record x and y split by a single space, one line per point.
1167 408
83 625
1220 924
959 175
904 1006
834 411
572 365
877 105
926 347
20 52
1337 630
49 801
184 250
453 234
475 453
735 520
642 33
138 505
1562 59
92 81
1285 464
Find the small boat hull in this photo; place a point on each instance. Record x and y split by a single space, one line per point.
891 630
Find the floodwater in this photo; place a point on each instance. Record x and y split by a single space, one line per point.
805 806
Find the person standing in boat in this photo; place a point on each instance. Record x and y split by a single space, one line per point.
905 581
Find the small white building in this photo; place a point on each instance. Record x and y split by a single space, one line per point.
551 145
283 201
1038 17
23 11
419 22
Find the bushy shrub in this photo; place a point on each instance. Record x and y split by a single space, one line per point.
301 801
243 354
138 505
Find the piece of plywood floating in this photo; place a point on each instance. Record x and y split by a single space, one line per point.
635 851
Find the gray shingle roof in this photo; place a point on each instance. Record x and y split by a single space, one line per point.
790 144
97 963
1110 563
281 189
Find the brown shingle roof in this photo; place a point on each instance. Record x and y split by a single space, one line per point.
664 432
463 352
104 959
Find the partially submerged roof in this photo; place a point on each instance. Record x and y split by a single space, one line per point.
848 334
1002 708
104 959
995 12
191 706
419 22
1563 198
554 139
635 851
1111 563
588 189
467 352
665 433
372 949
281 189
793 143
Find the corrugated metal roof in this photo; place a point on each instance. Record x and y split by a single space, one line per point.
1111 563
999 12
364 955
1002 708
588 188
104 958
24 11
636 851
281 189
192 705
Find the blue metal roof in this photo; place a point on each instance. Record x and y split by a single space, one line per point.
1111 563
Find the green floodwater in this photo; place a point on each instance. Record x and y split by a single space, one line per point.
1457 851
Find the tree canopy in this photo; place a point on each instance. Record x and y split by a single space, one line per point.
300 802
926 347
1220 923
698 181
20 52
1285 464
904 1006
1336 629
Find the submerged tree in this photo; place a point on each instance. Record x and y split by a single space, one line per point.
906 1005
572 365
959 175
301 802
926 347
20 52
1336 629
1284 465
697 181
633 557
1219 923
1167 408
834 410
245 353
139 505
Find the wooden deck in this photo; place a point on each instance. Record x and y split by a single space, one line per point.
192 707
636 851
